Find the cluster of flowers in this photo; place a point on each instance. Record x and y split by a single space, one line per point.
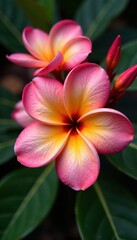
68 119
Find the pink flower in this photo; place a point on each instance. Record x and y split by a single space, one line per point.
20 115
62 49
71 125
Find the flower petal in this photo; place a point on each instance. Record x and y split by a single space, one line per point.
39 144
36 42
108 130
54 64
20 115
76 51
25 60
62 32
78 164
43 100
86 87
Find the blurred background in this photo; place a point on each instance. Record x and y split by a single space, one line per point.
14 16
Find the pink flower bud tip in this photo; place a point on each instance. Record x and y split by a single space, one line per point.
113 54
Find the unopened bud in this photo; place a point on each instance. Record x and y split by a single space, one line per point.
125 79
113 54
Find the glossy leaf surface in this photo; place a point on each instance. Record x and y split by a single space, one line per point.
128 59
7 124
39 12
9 129
127 34
98 14
107 211
7 102
7 141
12 22
26 197
128 56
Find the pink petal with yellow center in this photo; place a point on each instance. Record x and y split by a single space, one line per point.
54 64
78 164
26 60
62 32
37 43
86 87
43 100
108 130
39 144
76 51
20 115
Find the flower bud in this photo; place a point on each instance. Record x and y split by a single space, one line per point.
126 79
123 81
113 54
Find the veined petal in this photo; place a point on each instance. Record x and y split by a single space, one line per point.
20 115
36 42
86 87
54 64
78 164
76 51
62 32
25 60
108 130
43 100
39 144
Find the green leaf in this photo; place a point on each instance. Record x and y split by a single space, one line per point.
127 105
98 14
127 34
128 59
39 12
26 197
126 160
9 129
12 22
7 102
128 56
6 147
7 141
8 124
107 211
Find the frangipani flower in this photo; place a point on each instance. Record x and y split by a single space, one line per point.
71 125
62 49
20 115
